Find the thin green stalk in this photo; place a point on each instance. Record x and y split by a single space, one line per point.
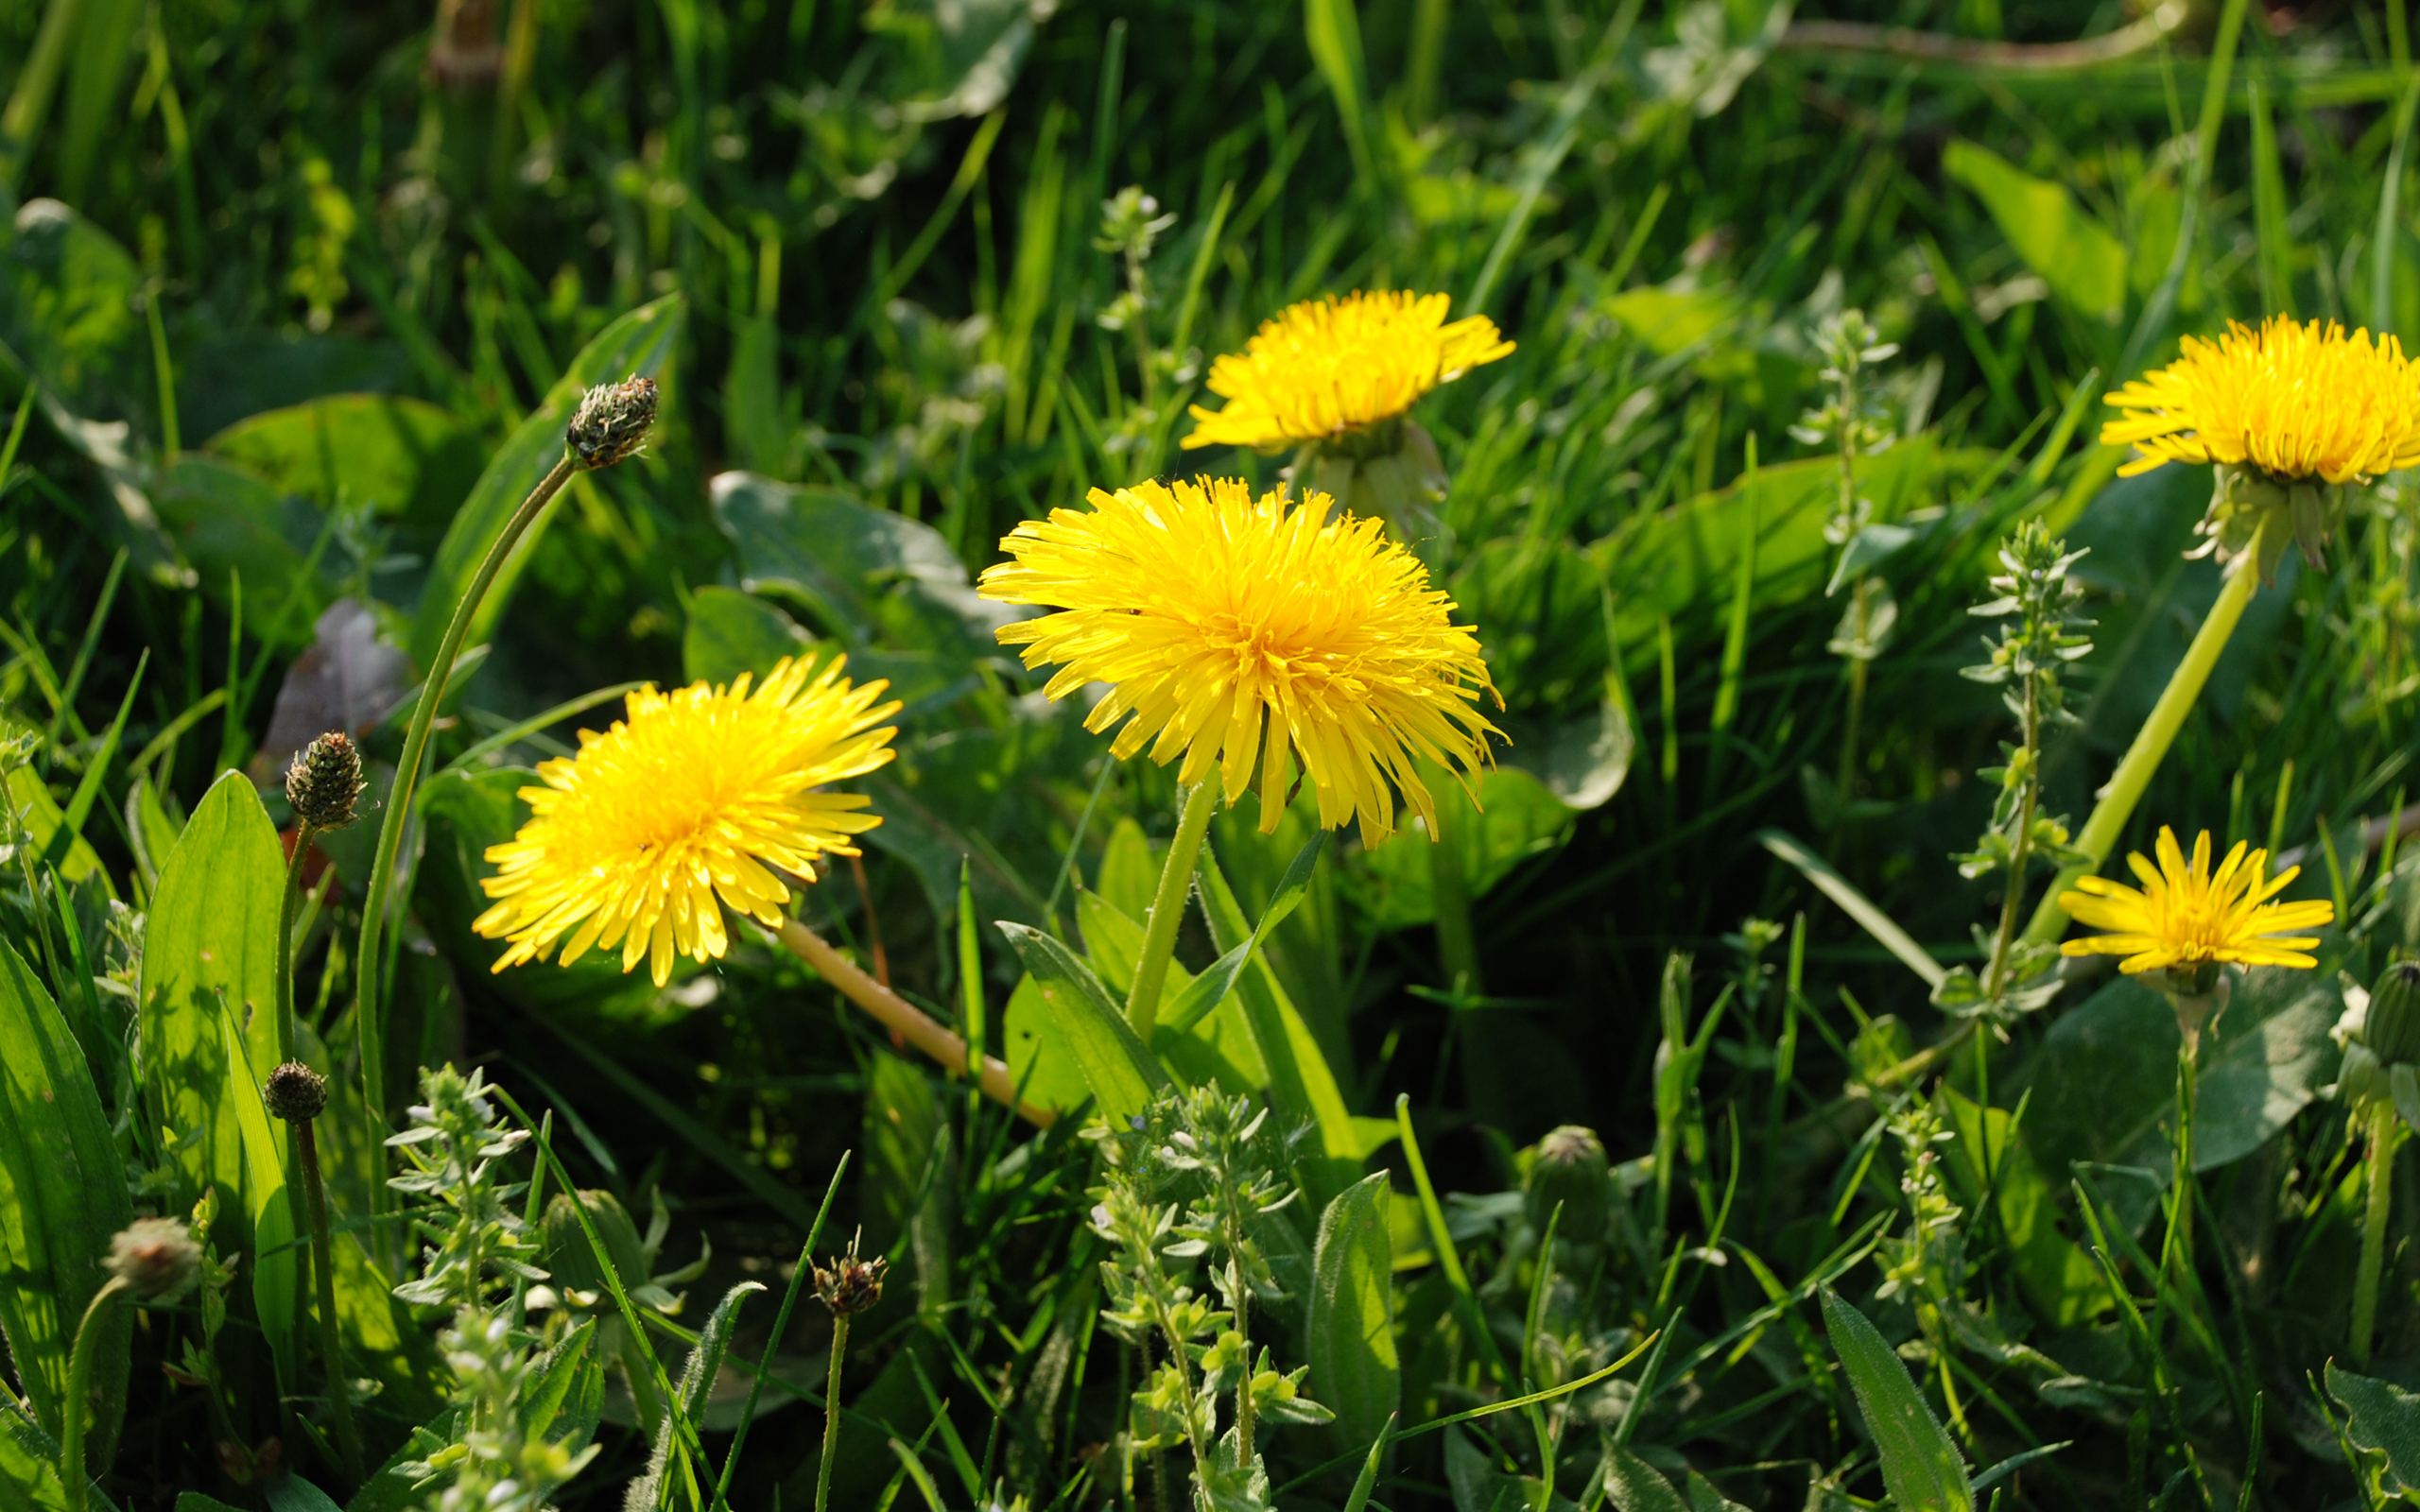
79 1391
2380 1156
2142 758
832 1412
1168 908
2176 1251
21 123
368 960
324 1270
284 996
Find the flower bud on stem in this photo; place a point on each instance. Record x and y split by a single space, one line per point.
297 1094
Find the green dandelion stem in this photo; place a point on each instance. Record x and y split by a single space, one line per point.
1167 907
368 960
2142 758
79 1391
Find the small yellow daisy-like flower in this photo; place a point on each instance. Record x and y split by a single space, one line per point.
698 793
2296 401
1328 366
2188 916
1248 634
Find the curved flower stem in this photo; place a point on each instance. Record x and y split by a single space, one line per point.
2142 758
2176 1254
909 1022
367 960
2380 1155
79 1391
1168 908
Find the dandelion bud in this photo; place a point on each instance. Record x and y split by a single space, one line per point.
155 1257
850 1285
295 1093
1569 1167
611 423
324 783
2392 1030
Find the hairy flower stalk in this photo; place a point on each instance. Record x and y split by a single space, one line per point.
2380 1077
1261 641
609 427
847 1287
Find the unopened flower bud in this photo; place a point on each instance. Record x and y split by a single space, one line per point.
324 783
850 1285
155 1257
610 423
2391 1030
1569 1167
295 1093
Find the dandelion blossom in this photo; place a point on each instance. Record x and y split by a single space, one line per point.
2186 918
1328 366
2297 401
1245 633
706 791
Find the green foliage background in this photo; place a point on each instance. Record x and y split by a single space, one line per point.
282 286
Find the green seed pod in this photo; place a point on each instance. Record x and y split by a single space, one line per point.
2391 1030
1569 1167
568 1258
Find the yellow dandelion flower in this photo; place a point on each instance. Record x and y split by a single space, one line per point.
703 792
2186 916
1248 634
2296 401
1328 366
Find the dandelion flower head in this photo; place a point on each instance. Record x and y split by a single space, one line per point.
1328 366
2186 916
1252 633
702 793
2296 401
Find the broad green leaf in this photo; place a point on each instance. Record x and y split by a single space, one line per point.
1040 1062
196 1502
2081 261
1671 318
1214 1046
1920 1466
2104 1078
1634 1485
406 458
1517 818
275 1262
872 575
731 632
2062 1283
231 525
1301 1086
62 1195
1122 1073
1351 1343
211 936
289 1493
1129 870
639 344
376 1329
28 1473
2384 1418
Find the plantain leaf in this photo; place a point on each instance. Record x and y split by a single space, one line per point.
266 1203
2383 1418
62 1195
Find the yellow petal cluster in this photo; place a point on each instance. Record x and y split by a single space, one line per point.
2296 401
1328 366
2187 915
700 793
1252 634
